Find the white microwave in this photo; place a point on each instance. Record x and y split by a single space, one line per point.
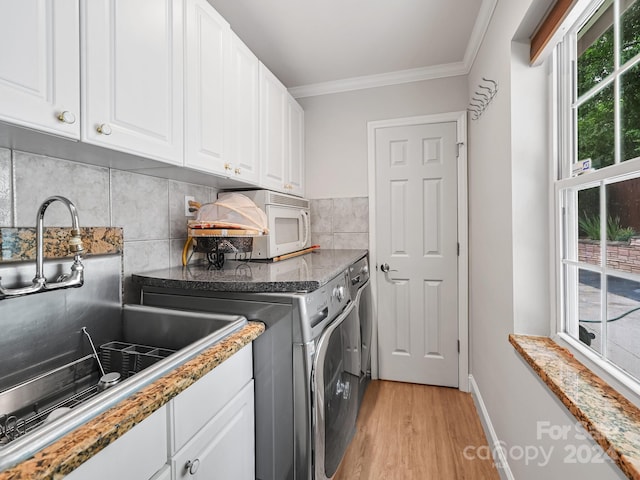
287 220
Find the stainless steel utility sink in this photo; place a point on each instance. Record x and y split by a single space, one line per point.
152 342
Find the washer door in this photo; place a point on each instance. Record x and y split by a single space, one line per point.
336 370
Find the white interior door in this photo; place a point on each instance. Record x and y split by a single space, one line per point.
417 243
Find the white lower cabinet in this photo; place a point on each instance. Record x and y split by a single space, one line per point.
137 455
224 448
211 424
197 405
206 432
163 474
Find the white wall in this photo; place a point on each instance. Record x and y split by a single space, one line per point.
336 129
509 256
530 174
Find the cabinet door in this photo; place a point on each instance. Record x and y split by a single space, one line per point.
207 37
202 401
273 131
295 171
138 454
132 85
40 65
163 474
245 112
225 448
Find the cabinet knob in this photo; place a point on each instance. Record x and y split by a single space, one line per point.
227 166
192 466
67 117
237 170
103 129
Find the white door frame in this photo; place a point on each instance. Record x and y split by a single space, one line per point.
463 238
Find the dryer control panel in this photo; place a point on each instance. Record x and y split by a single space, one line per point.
358 274
325 304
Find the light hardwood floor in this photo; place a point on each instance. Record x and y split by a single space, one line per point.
416 432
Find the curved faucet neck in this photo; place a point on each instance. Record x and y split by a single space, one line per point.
75 232
39 284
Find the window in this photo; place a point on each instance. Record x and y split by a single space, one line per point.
598 203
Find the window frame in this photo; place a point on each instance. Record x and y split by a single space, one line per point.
564 103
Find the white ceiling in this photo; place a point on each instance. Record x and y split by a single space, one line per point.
328 43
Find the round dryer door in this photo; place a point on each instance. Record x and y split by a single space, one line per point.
336 381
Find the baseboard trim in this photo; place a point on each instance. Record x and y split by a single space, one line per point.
496 446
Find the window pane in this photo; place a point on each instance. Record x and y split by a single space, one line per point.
596 129
623 223
589 226
623 325
630 30
590 326
595 49
630 112
601 296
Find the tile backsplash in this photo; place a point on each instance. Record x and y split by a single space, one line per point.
340 222
6 190
150 210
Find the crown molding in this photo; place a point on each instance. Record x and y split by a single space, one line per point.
479 30
411 75
379 80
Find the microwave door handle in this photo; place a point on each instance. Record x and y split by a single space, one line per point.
307 226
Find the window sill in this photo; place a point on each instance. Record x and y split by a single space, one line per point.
611 419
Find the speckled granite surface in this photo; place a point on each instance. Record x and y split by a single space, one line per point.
611 419
18 244
304 273
69 452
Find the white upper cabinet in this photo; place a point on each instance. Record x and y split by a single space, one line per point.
161 79
296 147
132 77
281 136
39 65
244 141
207 37
273 131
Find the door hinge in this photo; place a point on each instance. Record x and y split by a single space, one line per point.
458 248
459 145
458 346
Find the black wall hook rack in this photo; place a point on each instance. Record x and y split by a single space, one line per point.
482 97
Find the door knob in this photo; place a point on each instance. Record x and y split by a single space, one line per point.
386 268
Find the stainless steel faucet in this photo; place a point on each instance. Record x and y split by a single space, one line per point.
39 283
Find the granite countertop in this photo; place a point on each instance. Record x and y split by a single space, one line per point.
611 419
70 451
303 273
